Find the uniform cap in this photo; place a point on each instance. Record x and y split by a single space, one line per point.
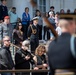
35 18
6 17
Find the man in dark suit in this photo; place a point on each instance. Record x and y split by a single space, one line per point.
33 33
3 10
59 49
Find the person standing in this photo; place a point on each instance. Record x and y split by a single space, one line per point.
59 50
13 17
40 23
33 34
6 28
25 22
3 10
6 61
18 35
52 21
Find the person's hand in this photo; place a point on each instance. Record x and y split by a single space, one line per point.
1 21
27 57
36 68
45 65
21 43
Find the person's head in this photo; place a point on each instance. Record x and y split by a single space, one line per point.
14 9
18 19
75 11
52 8
67 25
35 20
38 13
7 19
25 45
6 41
68 11
26 9
19 26
4 2
62 11
46 14
40 50
57 14
51 14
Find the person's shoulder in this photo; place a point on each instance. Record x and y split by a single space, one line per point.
3 51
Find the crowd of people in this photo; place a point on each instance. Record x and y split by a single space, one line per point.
24 32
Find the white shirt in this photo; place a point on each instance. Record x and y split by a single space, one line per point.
58 29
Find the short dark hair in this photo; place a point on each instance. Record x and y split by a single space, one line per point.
52 7
13 7
26 8
3 0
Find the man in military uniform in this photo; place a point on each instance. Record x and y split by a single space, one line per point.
3 10
59 49
33 33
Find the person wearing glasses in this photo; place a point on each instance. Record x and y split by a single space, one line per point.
6 61
40 59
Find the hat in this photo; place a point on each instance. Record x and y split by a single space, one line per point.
6 17
50 12
26 42
20 24
35 18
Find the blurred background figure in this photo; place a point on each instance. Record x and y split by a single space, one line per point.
74 11
46 35
68 11
52 9
3 10
13 17
52 21
62 11
40 23
25 22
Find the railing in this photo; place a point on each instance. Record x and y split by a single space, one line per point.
35 71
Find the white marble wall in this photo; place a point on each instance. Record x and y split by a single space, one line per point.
20 5
63 4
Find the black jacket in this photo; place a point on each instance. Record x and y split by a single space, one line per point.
30 32
3 12
20 61
59 53
6 61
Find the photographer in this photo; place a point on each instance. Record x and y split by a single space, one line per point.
23 58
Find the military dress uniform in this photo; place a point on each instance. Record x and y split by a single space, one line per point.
33 34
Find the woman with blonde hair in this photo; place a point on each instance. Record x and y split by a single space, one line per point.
40 59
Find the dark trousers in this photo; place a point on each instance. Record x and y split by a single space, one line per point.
25 29
46 31
6 73
40 32
34 44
